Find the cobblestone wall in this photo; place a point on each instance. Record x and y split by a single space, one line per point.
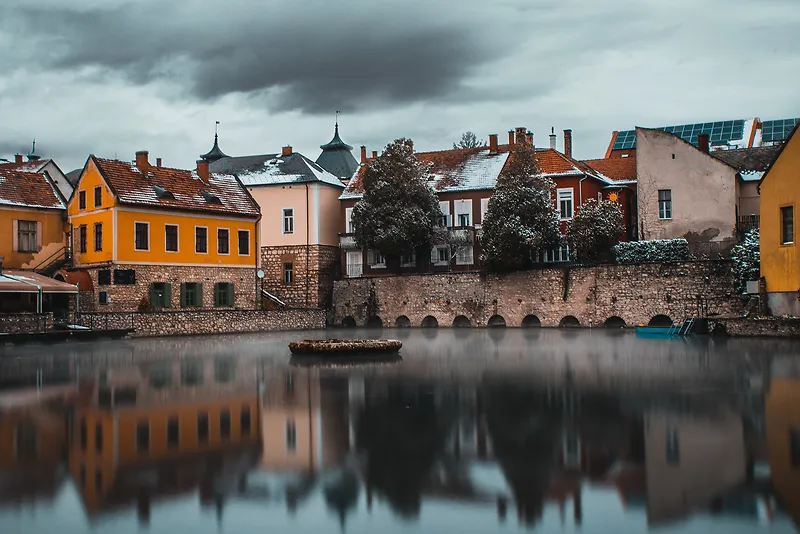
13 323
592 295
312 291
184 322
757 327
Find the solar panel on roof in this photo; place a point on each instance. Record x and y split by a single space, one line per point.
720 133
777 130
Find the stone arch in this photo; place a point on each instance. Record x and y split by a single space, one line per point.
531 321
374 322
496 321
615 322
462 321
349 322
661 320
402 322
570 321
430 322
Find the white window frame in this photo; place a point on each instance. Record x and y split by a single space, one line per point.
134 236
285 271
348 216
599 196
374 256
287 218
444 210
412 263
465 255
662 213
438 261
178 238
195 240
562 195
249 245
229 242
484 209
463 207
354 269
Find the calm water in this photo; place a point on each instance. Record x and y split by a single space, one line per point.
472 431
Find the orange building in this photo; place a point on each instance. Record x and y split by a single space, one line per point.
783 441
157 237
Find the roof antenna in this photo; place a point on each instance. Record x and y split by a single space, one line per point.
337 121
215 128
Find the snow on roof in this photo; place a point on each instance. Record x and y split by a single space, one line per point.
751 176
274 169
28 189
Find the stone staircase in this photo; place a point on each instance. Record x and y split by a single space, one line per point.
49 260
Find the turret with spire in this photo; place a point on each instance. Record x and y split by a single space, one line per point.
215 153
337 156
32 155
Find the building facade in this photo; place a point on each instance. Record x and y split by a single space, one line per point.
153 237
780 257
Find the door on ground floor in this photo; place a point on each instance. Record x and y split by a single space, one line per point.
354 264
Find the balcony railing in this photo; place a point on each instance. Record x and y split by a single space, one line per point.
463 234
747 223
354 270
347 241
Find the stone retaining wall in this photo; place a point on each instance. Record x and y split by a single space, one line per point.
757 327
16 323
184 322
592 295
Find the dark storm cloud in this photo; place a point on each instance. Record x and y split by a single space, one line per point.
314 58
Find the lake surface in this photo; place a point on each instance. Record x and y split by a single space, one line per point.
472 431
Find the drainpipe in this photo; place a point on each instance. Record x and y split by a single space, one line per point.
580 190
308 227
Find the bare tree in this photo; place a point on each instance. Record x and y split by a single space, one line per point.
647 204
469 140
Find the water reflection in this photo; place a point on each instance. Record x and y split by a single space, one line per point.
593 431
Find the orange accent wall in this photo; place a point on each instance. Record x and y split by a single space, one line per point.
53 231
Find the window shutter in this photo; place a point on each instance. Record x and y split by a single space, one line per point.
230 295
434 255
167 296
216 294
15 236
199 296
183 294
152 294
38 235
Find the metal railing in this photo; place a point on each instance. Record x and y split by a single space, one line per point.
354 270
60 255
745 223
347 241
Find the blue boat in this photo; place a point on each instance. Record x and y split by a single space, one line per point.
658 331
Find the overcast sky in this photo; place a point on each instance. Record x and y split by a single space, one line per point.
110 77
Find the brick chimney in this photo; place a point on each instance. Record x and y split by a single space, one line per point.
158 162
702 142
374 154
511 138
492 143
568 143
363 154
202 170
142 163
529 138
286 151
553 138
17 158
520 134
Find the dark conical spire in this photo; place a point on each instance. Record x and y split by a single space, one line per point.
32 155
337 156
215 153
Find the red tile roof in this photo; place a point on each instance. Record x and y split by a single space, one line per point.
26 166
28 189
617 169
132 187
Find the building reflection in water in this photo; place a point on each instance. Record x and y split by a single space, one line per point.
239 430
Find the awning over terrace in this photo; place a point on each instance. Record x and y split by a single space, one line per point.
30 282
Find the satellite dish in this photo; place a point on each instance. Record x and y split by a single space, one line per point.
260 273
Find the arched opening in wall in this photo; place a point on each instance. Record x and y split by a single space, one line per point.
430 322
374 322
614 322
496 321
462 321
349 322
660 320
531 321
570 321
402 322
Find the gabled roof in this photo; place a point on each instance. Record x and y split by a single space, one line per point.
28 189
477 169
615 169
274 169
26 166
749 159
659 131
780 151
132 187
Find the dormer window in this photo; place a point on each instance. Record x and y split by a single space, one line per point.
211 198
162 193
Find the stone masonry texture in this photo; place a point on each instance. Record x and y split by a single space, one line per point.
635 293
11 323
184 322
311 287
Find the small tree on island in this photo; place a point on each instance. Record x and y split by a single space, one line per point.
595 229
398 212
521 218
468 140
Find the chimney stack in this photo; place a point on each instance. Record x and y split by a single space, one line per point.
158 162
529 138
568 143
286 151
553 138
142 163
511 138
363 154
374 154
493 144
17 158
520 135
202 170
702 142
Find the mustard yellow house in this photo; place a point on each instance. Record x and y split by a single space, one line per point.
157 237
780 255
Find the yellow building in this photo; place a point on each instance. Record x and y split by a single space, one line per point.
783 441
780 255
156 237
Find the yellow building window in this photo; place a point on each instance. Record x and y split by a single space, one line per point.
787 225
26 236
